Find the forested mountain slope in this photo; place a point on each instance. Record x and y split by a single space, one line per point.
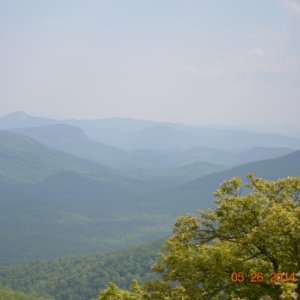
54 204
72 206
145 163
199 193
23 159
69 214
81 277
74 140
10 294
142 163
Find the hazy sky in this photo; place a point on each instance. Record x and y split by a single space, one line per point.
192 61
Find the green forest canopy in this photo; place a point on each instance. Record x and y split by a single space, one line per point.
7 293
81 277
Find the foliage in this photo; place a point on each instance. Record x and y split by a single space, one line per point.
254 228
288 292
9 294
81 277
113 292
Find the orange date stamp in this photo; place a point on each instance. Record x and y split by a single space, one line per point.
258 277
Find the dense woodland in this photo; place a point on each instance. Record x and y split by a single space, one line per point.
81 277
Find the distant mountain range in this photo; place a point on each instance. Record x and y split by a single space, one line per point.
136 134
199 193
25 160
20 119
144 163
64 192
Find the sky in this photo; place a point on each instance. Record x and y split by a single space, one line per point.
189 61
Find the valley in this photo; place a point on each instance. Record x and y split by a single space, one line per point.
71 198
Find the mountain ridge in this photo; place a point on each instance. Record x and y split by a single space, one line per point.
131 133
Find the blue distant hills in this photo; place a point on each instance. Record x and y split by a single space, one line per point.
81 186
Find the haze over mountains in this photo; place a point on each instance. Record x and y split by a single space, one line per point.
141 163
81 186
25 160
197 193
153 147
139 134
116 118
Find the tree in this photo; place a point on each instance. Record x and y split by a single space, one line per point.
113 292
7 293
248 247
